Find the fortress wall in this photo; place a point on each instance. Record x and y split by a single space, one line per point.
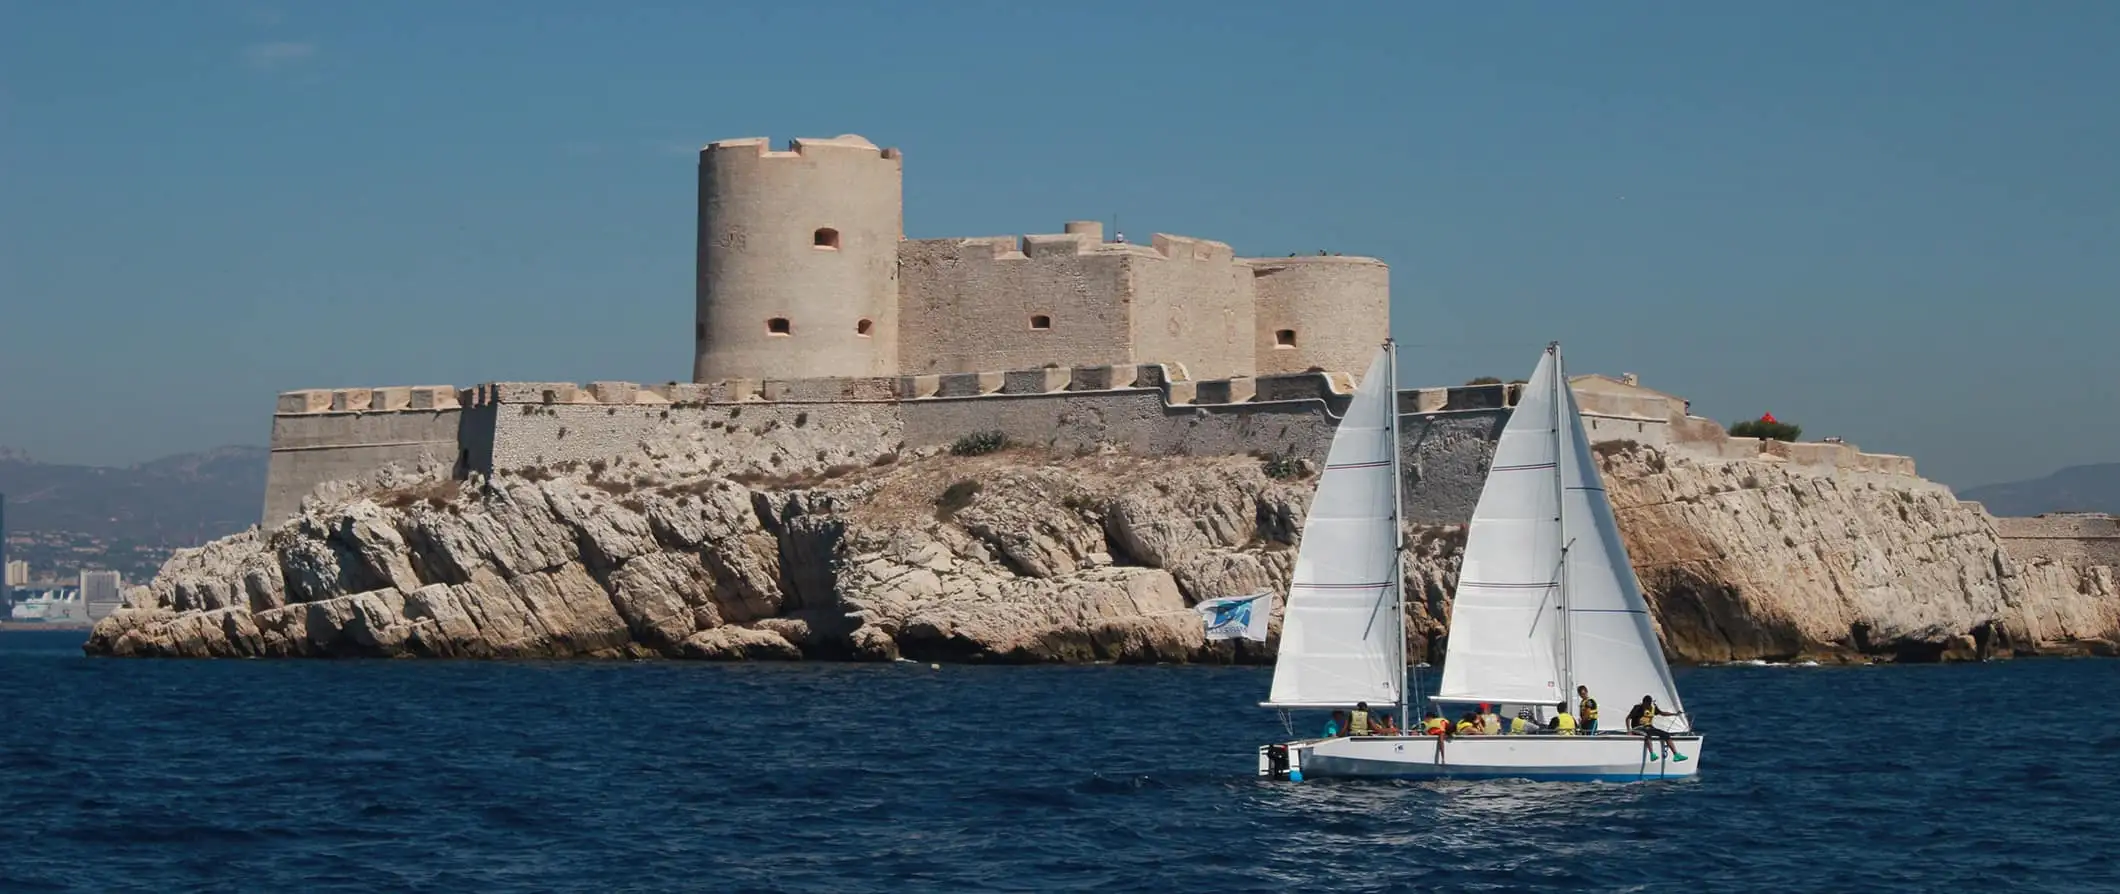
312 443
1135 420
966 304
1335 310
1193 304
1443 459
729 437
2080 540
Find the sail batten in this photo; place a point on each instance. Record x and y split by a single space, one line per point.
1334 651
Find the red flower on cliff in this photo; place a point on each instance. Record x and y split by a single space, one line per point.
1767 418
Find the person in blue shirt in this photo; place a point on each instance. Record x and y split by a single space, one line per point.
1337 723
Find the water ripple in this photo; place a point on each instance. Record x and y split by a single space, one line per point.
540 776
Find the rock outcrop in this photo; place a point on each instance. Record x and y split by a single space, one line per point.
1027 556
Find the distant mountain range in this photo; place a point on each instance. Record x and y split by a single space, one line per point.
61 517
2092 488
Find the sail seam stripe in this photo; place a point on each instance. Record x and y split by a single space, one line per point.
1607 611
1523 468
1506 586
1342 586
1371 465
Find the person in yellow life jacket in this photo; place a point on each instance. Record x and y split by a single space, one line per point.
1521 723
1489 724
1642 721
1434 724
1469 724
1589 719
1358 722
1563 722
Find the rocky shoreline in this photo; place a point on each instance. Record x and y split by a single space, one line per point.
1027 555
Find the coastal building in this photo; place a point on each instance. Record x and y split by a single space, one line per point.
804 271
17 573
823 337
101 592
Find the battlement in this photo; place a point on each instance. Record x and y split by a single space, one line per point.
1087 238
798 147
413 398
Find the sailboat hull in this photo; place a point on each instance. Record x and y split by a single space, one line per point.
1547 758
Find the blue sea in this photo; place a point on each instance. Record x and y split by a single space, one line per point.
124 775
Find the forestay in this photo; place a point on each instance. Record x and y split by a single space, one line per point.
1505 620
1339 643
1613 645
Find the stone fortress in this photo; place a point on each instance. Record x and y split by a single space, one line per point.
824 336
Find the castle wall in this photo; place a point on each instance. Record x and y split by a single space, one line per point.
1193 305
1335 310
320 436
967 305
808 236
2071 539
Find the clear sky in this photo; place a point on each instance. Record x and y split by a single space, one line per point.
1893 222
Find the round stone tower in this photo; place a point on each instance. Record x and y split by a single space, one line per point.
798 260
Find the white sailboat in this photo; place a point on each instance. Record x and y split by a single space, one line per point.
1546 601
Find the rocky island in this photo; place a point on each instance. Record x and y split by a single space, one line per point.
1029 449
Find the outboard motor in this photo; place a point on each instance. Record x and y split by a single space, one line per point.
1277 761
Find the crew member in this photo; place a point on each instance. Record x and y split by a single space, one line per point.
1489 723
1358 722
1521 723
1589 721
1563 723
1434 724
1642 720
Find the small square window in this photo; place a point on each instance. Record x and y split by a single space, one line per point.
777 326
1284 338
1041 321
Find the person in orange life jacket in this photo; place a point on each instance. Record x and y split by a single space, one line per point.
1588 721
1434 724
1642 720
1384 726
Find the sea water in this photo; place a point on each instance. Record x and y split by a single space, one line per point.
124 775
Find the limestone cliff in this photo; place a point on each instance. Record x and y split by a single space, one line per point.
1028 555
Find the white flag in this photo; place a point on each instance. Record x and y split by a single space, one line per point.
1238 616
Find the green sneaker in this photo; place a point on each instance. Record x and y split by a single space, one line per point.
1679 758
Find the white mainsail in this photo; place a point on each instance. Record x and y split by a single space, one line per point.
1612 640
1505 637
1340 643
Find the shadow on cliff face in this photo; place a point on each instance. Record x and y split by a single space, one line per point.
1705 619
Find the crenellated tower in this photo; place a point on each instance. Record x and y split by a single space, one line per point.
798 259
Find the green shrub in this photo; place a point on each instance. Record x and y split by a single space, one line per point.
1766 429
979 443
1282 466
1484 380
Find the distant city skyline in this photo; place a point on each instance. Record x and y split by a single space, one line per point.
1885 222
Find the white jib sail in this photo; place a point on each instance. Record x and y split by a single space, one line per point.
1613 645
1504 640
1338 638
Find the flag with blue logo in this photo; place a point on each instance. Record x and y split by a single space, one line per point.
1238 616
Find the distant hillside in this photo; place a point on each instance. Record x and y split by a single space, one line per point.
65 516
2093 488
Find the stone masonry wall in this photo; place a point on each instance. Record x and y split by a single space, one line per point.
1193 302
2075 539
320 436
967 305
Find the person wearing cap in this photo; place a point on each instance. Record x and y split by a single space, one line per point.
1490 724
1521 725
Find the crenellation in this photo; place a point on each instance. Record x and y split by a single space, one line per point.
1103 378
351 400
1224 391
1046 380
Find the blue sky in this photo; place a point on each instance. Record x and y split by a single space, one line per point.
1893 222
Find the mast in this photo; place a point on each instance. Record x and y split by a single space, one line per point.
1398 533
1560 512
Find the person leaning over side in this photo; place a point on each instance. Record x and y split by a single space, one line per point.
1642 721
